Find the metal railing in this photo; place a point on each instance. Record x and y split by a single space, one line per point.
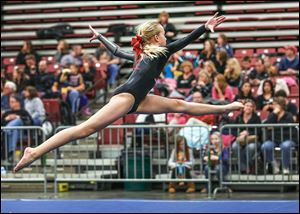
13 142
258 161
140 153
126 153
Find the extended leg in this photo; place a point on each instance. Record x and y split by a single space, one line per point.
118 106
157 105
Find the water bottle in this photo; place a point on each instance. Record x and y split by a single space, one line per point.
3 171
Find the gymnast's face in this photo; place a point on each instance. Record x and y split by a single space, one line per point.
160 37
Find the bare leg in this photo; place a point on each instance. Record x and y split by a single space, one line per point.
157 105
118 106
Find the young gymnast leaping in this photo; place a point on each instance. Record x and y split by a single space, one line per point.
150 56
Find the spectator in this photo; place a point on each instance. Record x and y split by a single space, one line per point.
177 118
170 67
16 116
34 105
75 57
20 78
61 50
244 93
170 30
246 68
278 83
221 90
213 156
3 79
186 79
45 80
246 146
259 73
290 107
221 61
31 68
9 89
106 57
222 44
208 118
88 70
289 64
210 67
74 85
26 50
208 53
203 84
264 101
181 163
232 72
283 138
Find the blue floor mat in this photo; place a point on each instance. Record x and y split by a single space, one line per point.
153 206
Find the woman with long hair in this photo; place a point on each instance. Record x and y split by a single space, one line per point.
151 55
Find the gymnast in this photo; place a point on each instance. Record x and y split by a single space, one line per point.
150 54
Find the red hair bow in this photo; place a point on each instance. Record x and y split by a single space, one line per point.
136 44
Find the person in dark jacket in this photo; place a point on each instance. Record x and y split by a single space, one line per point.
247 142
279 137
169 28
17 116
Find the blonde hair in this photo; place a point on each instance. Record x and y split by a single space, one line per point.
211 65
187 63
147 30
205 74
234 64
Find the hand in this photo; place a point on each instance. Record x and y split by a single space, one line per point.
276 110
11 117
244 133
216 85
169 34
291 71
193 83
95 33
234 106
201 83
69 88
213 22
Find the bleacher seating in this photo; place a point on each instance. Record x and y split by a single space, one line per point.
271 24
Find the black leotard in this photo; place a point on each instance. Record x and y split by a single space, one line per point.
146 71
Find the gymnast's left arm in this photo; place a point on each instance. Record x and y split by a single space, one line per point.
211 24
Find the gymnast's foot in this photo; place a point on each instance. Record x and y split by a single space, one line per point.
27 159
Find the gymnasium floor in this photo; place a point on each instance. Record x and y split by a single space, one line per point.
155 201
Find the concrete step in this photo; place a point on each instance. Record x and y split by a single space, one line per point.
25 187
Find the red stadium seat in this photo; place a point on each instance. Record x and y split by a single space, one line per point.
240 53
263 115
265 50
9 61
53 68
10 69
112 136
100 76
294 91
52 107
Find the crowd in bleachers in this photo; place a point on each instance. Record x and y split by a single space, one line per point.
267 84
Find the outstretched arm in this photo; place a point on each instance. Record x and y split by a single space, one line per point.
211 24
112 47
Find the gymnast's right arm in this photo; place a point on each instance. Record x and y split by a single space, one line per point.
113 48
